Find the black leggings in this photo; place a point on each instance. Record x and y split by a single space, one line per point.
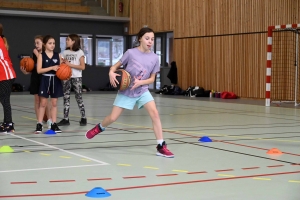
5 90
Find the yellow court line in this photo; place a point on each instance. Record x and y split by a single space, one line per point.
85 160
263 179
64 157
27 151
28 118
127 165
175 170
146 167
45 154
291 181
226 175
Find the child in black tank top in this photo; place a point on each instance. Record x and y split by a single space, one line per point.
35 80
47 65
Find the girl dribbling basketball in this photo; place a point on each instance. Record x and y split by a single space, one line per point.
47 64
142 65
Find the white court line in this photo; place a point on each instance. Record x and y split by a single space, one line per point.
32 148
53 147
49 168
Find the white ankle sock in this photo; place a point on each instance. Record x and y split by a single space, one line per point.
101 127
160 141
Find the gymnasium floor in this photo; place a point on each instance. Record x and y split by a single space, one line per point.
122 160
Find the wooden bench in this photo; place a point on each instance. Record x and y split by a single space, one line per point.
46 7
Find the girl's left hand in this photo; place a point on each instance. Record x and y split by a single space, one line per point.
136 83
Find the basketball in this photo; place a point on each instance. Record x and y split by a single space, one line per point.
64 72
27 63
124 79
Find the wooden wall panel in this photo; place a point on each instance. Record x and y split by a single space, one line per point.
157 14
231 63
190 18
218 44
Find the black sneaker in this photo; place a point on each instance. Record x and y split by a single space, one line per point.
7 127
82 122
55 128
39 128
63 122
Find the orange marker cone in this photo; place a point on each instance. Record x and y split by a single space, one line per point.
274 151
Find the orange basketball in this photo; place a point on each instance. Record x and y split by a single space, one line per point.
27 63
64 72
124 79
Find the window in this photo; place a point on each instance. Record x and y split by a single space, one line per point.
169 47
109 50
85 43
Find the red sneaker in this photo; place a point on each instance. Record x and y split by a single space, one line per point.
163 151
93 132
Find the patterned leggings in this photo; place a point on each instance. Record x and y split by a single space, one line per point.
5 90
76 83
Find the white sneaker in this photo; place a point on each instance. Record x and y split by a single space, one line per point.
49 122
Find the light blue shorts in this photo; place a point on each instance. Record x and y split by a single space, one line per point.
126 102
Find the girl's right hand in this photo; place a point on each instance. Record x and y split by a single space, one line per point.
55 67
24 70
112 78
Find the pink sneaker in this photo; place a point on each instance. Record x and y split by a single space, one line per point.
93 132
163 151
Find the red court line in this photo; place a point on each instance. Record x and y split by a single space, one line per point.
98 179
248 168
224 170
276 166
167 175
130 177
203 172
58 181
28 182
153 185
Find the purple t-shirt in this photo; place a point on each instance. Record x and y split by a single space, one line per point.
140 65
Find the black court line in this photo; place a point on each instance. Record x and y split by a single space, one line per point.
87 143
265 133
123 141
201 113
236 152
150 132
234 125
265 138
234 128
99 147
230 111
219 35
193 107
